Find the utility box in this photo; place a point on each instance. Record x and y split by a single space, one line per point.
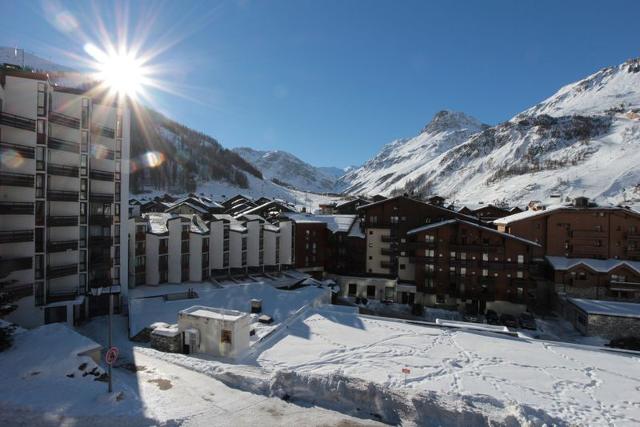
256 306
214 331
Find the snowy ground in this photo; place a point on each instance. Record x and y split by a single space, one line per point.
35 389
530 380
144 309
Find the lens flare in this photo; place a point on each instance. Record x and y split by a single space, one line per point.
152 159
99 151
11 159
123 74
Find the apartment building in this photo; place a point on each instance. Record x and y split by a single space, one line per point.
62 184
386 224
462 264
176 248
583 244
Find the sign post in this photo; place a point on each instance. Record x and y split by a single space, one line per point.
406 371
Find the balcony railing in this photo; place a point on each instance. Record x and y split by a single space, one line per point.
8 266
386 251
101 152
386 238
16 179
22 150
64 120
62 221
100 219
62 246
101 175
107 132
62 196
61 296
101 240
140 250
16 208
17 121
62 270
16 236
15 291
101 197
63 170
163 249
386 264
185 235
61 144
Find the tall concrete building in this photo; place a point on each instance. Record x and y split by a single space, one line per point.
63 191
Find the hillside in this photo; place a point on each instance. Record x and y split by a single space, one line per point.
583 140
289 170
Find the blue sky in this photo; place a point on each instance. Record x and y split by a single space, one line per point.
332 81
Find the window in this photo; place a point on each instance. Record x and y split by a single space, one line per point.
40 158
373 219
84 164
618 278
116 234
429 238
39 185
42 99
402 267
84 141
428 282
463 255
452 255
485 256
85 113
40 130
39 266
485 272
116 214
394 219
83 260
83 212
141 261
429 253
520 259
371 291
225 336
520 275
83 237
118 170
83 188
429 267
40 212
353 289
463 271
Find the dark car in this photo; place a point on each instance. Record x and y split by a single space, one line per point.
509 320
492 317
527 321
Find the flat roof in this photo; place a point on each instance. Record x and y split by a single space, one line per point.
214 313
607 308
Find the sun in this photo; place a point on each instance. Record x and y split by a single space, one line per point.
120 71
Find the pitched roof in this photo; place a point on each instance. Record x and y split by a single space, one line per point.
556 208
598 265
472 224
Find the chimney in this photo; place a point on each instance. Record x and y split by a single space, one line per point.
581 202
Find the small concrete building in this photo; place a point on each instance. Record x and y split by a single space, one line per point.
607 319
214 331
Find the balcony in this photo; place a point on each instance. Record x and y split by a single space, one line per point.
386 264
140 250
16 236
184 248
101 175
474 247
386 251
63 170
8 266
61 144
101 240
16 179
140 236
22 150
62 246
16 208
386 238
61 271
588 234
100 219
163 249
185 235
101 197
17 290
140 269
16 121
64 120
107 132
61 296
62 196
62 221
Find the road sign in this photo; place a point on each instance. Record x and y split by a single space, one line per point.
406 371
111 356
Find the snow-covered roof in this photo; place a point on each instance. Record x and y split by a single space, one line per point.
607 308
197 224
271 227
251 217
266 205
191 205
214 313
356 230
599 265
554 208
472 224
158 221
335 223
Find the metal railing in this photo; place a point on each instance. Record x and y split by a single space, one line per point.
101 175
17 121
61 144
23 150
8 266
62 246
62 196
16 179
62 220
16 236
16 208
61 270
63 170
64 120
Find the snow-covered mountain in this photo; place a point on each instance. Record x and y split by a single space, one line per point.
19 57
400 161
288 170
583 140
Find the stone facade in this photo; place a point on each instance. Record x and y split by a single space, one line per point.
166 340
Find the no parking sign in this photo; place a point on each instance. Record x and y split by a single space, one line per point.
111 356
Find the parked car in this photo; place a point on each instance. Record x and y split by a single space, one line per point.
508 320
527 321
492 317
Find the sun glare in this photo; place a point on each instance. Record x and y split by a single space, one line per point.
120 71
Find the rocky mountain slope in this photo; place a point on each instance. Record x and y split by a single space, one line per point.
583 140
288 170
